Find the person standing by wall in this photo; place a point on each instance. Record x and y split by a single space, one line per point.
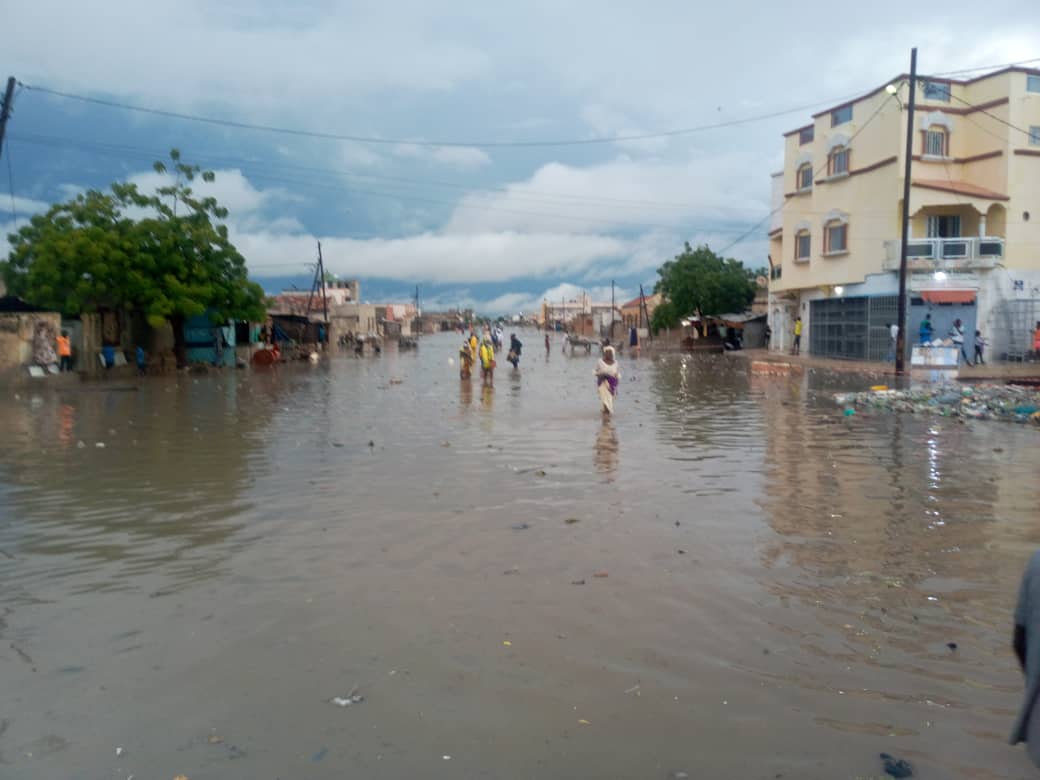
957 336
64 352
925 331
797 336
979 344
893 338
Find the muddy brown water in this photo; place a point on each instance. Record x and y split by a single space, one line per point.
779 582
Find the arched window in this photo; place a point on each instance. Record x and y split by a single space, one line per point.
835 233
936 141
838 161
802 245
804 177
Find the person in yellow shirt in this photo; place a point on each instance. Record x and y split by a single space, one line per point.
487 362
473 343
797 336
64 351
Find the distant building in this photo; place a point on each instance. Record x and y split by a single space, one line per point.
337 293
631 313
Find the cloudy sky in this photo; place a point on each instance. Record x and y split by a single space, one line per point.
475 221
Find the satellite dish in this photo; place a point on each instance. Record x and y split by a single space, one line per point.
761 281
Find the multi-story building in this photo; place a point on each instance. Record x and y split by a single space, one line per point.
974 247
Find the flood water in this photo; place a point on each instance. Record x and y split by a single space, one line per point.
730 579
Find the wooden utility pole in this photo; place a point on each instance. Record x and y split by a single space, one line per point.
643 311
5 110
319 279
611 311
901 333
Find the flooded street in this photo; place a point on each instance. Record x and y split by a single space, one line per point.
728 580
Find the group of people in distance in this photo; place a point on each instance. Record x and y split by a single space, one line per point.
607 371
483 349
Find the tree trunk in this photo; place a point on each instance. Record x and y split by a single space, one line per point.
180 350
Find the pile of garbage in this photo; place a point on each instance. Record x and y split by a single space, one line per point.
982 402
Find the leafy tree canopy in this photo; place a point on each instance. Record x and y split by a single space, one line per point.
164 253
700 282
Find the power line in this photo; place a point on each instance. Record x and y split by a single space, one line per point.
428 144
263 168
769 216
984 67
10 181
339 187
542 196
991 115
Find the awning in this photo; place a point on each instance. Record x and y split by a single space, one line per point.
948 296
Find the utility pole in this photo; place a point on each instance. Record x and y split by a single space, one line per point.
319 279
324 292
901 335
611 311
5 110
643 310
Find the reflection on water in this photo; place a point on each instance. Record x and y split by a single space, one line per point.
766 588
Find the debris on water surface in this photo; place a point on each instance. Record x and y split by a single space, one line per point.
952 645
583 722
540 473
320 754
849 411
601 574
351 698
571 520
507 643
896 767
633 689
100 445
371 443
119 751
214 739
1008 403
520 526
577 582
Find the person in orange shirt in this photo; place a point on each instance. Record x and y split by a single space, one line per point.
64 351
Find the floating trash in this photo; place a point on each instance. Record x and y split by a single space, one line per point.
982 402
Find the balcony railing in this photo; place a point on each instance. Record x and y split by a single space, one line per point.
946 253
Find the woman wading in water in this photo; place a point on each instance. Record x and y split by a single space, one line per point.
607 375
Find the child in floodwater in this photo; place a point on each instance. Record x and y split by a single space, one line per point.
607 375
465 360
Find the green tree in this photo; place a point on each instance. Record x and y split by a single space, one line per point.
700 282
166 254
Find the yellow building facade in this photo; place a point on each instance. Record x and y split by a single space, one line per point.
974 248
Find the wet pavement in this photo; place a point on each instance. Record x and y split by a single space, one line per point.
728 580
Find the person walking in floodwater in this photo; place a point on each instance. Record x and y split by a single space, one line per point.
1026 643
515 347
473 344
797 336
465 360
487 362
547 345
607 375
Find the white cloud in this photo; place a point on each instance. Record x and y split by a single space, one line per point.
462 157
643 194
476 257
22 206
